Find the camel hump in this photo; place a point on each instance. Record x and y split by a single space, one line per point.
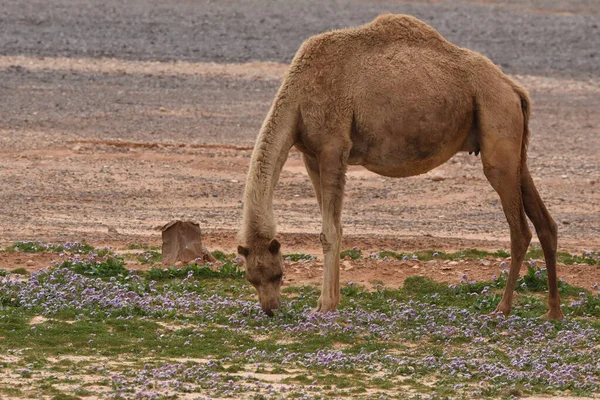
382 31
403 26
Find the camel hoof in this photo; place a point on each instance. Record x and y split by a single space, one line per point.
501 310
554 315
323 307
315 311
322 310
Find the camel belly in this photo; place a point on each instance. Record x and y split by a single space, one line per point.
411 148
397 168
402 170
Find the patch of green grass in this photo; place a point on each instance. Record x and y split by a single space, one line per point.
149 257
223 257
62 396
591 258
536 280
38 247
354 254
108 267
20 271
30 247
227 270
80 391
427 255
68 248
299 256
11 391
353 290
138 246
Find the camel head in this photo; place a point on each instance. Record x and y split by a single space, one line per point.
264 270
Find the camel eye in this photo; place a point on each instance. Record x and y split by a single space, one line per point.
276 278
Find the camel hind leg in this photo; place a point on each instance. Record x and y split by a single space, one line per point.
506 182
501 147
546 230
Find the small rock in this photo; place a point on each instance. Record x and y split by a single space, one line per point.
179 264
162 109
453 263
565 222
207 256
437 178
112 230
30 263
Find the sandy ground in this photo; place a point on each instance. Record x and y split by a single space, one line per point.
115 120
68 174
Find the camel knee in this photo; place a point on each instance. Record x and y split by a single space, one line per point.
325 242
525 239
520 240
552 229
547 232
548 235
330 239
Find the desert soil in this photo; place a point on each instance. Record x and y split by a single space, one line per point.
118 117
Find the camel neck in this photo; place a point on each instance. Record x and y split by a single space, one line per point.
273 144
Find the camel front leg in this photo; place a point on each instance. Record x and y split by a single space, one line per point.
332 171
312 168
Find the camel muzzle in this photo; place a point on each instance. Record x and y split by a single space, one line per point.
270 306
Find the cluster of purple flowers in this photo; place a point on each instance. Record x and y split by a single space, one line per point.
475 351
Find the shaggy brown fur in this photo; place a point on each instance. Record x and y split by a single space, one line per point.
397 98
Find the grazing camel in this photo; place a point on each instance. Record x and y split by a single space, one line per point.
397 98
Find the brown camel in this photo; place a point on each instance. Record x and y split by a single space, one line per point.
397 98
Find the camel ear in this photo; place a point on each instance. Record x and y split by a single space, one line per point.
243 251
274 246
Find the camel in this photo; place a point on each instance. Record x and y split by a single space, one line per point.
397 98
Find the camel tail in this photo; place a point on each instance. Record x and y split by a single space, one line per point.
526 108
